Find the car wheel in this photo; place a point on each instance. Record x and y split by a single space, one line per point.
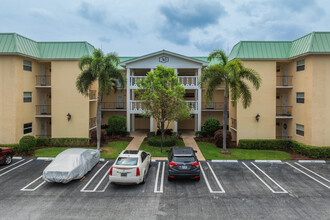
8 159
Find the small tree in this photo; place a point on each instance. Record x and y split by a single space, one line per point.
163 98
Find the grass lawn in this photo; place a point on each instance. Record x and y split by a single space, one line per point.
210 151
155 151
110 151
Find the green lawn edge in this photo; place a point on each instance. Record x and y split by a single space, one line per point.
110 151
211 152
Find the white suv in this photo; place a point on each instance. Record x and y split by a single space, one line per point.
131 166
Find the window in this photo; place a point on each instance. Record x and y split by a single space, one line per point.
27 128
278 68
300 97
27 65
300 65
300 129
27 97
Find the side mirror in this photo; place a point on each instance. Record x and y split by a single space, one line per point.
118 153
167 151
195 151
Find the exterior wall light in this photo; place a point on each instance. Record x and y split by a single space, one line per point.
68 116
257 117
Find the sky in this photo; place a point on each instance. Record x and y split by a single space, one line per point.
188 27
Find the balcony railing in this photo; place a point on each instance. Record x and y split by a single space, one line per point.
188 81
92 94
92 122
233 123
213 106
113 105
193 105
284 137
283 81
284 111
137 106
43 110
43 80
185 81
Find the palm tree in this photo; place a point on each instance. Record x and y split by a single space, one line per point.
105 70
233 75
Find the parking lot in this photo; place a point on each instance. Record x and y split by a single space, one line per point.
227 189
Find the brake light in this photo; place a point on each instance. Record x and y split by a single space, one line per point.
137 171
173 164
110 173
195 164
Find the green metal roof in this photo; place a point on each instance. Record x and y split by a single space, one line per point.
16 44
315 42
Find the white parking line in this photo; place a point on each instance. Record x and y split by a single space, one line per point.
12 164
313 172
309 175
268 161
17 158
83 189
162 179
15 167
106 186
216 179
31 190
270 188
224 161
311 161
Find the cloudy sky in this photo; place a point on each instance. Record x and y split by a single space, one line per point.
188 27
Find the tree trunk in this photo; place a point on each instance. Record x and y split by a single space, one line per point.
161 135
225 113
98 122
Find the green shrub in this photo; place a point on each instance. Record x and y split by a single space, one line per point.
167 132
27 144
274 144
167 141
177 134
218 138
62 142
117 125
94 135
211 125
151 134
201 133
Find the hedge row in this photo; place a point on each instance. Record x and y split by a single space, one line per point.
9 145
274 144
62 142
167 141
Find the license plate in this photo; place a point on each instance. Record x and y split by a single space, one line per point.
184 167
124 174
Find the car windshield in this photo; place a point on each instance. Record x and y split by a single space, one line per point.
129 161
184 159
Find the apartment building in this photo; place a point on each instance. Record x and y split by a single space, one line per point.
38 95
294 99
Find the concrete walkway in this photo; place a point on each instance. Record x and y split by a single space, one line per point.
138 138
189 141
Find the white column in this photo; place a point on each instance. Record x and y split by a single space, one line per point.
133 115
199 102
151 124
196 122
175 126
128 98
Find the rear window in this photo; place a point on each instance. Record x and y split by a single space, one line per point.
129 161
184 159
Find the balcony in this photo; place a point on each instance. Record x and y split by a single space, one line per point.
137 107
43 81
113 106
283 112
188 82
92 95
43 111
284 82
194 106
233 124
284 137
212 106
92 123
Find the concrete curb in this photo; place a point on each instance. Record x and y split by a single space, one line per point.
311 161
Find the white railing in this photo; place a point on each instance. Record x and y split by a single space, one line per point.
193 105
135 79
137 106
188 81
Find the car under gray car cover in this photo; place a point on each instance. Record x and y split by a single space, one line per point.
71 164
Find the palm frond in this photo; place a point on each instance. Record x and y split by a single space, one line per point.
84 81
220 55
252 76
245 94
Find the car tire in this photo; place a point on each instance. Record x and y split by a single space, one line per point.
197 179
169 179
8 159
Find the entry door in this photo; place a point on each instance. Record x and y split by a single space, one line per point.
43 75
285 130
43 128
120 100
43 103
286 73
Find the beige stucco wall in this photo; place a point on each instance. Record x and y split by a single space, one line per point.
66 99
263 103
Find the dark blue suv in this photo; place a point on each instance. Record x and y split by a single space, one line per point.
183 163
